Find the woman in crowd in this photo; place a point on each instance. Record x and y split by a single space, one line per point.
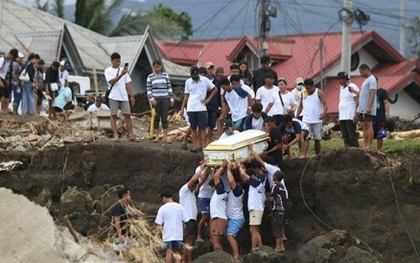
245 74
28 94
287 98
159 91
64 101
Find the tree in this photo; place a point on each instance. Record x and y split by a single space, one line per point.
97 16
414 39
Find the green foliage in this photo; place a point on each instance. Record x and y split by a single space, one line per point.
41 6
58 8
414 39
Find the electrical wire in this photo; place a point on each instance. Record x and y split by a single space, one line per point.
319 219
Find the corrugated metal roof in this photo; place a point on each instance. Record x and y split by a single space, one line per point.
22 25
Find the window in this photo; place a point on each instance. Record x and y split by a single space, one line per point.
253 61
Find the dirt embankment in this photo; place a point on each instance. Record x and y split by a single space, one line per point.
346 189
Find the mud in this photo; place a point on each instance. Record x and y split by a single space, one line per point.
346 189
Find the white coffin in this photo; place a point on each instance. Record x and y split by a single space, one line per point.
235 147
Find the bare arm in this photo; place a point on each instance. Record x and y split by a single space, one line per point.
268 107
230 177
191 183
117 78
185 101
299 109
321 96
256 156
372 94
117 226
204 175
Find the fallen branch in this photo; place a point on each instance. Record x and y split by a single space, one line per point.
70 227
406 134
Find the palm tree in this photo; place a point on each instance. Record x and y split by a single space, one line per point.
97 16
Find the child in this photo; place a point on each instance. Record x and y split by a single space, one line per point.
278 208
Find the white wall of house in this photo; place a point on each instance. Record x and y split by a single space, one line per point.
405 107
365 58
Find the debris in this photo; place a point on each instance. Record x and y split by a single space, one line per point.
10 166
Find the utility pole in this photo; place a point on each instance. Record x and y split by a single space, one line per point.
321 62
402 27
263 27
346 41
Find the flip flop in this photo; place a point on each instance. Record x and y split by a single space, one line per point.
134 139
117 140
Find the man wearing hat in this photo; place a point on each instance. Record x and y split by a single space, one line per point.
195 101
170 220
347 106
297 92
98 105
210 70
63 75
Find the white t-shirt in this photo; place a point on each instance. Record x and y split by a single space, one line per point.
267 96
119 91
172 216
256 197
271 170
288 100
188 200
205 189
63 76
242 84
94 108
225 135
218 205
238 105
298 95
4 64
347 104
257 124
235 206
250 91
197 91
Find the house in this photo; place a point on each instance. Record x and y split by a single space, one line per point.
31 30
300 56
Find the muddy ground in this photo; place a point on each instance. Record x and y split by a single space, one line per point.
346 189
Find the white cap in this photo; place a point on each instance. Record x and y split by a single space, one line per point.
63 63
20 55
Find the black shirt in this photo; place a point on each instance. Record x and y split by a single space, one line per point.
214 103
381 95
51 76
120 211
259 76
274 138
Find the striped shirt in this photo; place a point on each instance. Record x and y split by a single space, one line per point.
159 86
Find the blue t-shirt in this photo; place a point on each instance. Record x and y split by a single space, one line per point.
295 129
369 84
62 98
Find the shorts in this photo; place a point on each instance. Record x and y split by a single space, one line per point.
218 226
365 117
173 245
204 205
5 91
315 131
239 124
198 119
190 228
116 105
57 109
211 119
234 226
255 217
276 219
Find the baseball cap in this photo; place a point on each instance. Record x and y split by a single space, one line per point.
283 79
194 71
20 55
342 75
208 65
62 63
224 81
166 193
227 124
220 69
299 81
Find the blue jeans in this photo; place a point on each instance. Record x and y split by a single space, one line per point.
17 97
28 98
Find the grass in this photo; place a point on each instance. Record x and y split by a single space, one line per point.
404 147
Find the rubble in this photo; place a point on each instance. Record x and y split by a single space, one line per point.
26 133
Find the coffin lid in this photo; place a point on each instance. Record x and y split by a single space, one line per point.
237 141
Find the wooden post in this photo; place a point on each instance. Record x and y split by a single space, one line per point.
95 82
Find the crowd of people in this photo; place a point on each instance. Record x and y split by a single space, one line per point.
234 194
27 84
